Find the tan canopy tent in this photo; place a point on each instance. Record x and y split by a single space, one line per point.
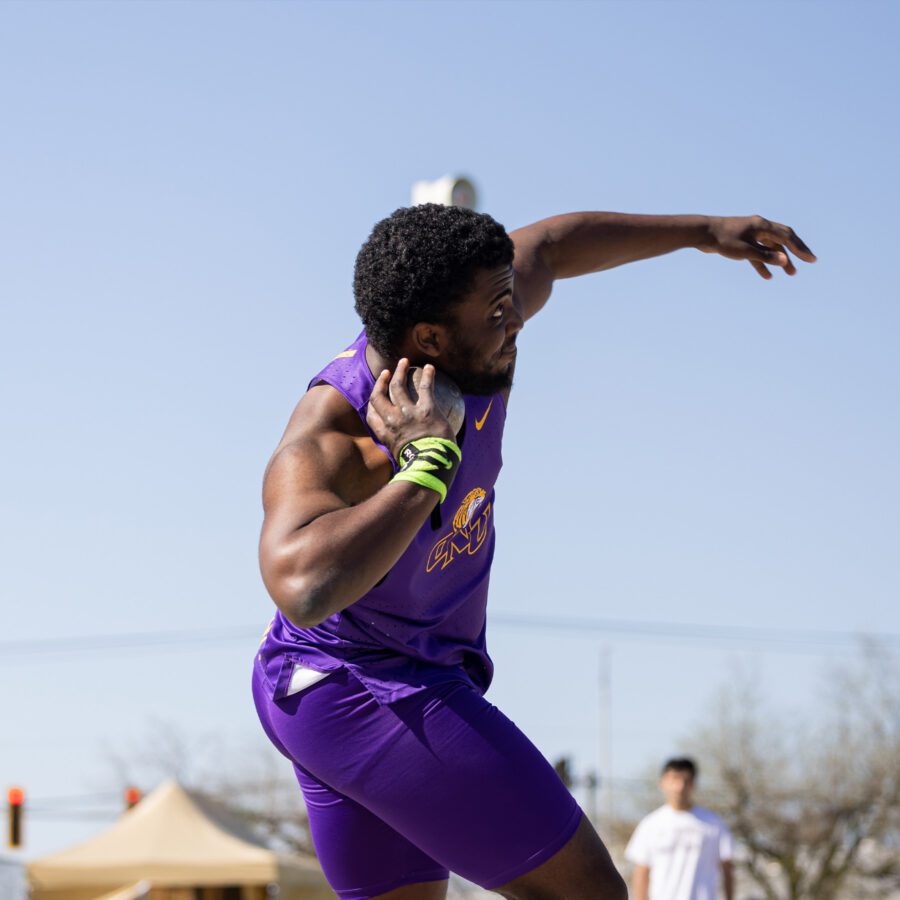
171 846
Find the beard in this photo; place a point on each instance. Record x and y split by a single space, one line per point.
461 366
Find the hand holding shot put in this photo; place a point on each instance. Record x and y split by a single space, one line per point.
377 546
416 431
397 418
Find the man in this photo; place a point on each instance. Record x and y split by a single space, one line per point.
679 848
377 545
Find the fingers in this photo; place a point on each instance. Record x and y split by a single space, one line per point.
395 418
392 389
762 242
397 388
379 400
426 384
374 419
756 252
779 239
781 234
763 271
789 267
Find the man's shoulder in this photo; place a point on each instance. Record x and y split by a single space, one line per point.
652 831
325 433
321 410
658 816
708 817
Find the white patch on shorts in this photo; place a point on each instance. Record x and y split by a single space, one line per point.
303 677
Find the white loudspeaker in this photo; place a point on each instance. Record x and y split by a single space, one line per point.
451 190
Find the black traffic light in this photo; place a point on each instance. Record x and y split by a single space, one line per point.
563 768
16 799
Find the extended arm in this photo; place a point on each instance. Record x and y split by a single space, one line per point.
580 243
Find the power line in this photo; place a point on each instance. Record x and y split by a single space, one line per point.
97 797
800 640
85 815
82 645
767 639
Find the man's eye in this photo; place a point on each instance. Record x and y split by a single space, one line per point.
498 313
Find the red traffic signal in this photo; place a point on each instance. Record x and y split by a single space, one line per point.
132 797
15 797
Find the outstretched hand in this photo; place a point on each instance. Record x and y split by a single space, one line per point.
762 242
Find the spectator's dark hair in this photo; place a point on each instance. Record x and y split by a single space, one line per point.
419 262
680 764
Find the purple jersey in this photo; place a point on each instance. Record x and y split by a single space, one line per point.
425 621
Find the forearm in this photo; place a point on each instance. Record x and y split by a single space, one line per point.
728 880
640 883
579 243
328 564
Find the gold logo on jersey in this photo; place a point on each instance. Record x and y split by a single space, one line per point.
468 508
479 423
471 525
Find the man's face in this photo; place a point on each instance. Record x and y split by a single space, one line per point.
481 354
677 786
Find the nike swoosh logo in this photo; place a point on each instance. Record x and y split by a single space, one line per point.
479 423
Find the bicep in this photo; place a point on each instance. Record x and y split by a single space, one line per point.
303 482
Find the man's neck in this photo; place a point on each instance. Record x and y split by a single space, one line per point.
378 363
681 807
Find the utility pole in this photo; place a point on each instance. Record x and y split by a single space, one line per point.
590 784
606 775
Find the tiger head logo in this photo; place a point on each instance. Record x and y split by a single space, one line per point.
471 527
468 508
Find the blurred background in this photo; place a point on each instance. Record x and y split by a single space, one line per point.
183 190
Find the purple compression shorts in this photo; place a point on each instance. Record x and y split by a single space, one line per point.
403 793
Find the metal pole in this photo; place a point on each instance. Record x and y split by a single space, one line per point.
606 796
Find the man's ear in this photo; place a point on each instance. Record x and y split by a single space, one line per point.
429 339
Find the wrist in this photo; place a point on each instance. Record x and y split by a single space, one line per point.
430 462
396 447
703 233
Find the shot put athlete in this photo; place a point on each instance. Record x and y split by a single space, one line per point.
377 546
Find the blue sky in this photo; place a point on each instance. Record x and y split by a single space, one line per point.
183 189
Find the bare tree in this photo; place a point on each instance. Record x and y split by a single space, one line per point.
815 806
247 786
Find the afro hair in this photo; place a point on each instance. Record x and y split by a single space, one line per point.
418 263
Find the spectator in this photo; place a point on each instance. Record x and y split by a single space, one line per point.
679 848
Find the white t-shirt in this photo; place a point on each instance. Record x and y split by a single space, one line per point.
683 850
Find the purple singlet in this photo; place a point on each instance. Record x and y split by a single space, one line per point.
425 622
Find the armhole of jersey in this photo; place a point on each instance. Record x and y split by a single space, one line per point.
319 381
